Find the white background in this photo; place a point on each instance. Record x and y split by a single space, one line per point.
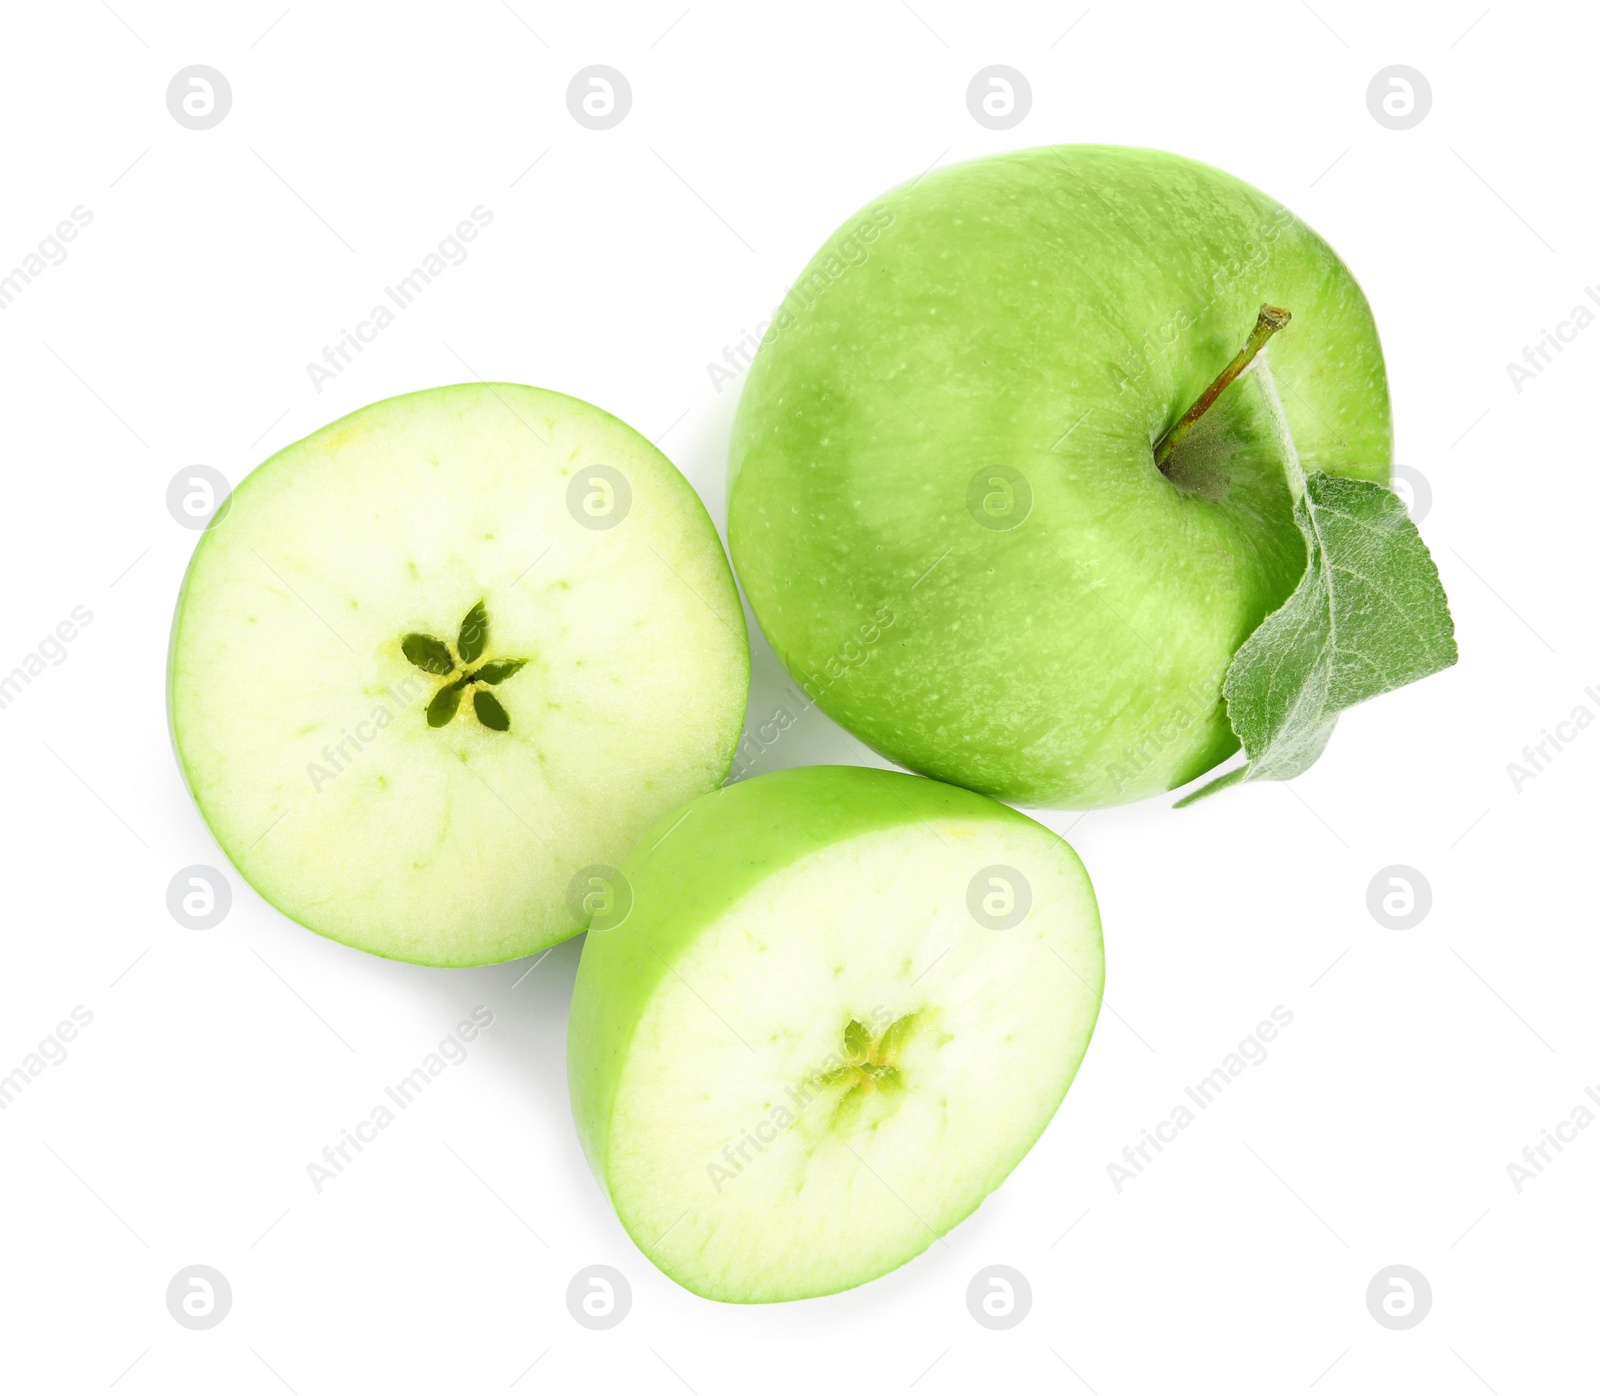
219 1062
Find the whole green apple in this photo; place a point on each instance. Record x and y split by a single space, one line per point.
833 1009
945 502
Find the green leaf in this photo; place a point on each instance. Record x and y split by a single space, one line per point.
489 711
444 704
1368 616
474 637
427 653
499 670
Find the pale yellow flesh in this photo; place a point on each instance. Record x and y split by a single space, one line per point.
452 845
746 1178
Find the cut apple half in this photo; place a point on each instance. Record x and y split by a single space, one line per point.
842 1007
438 658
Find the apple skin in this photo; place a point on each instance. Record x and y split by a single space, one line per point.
1053 311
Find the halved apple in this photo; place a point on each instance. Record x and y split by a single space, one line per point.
440 656
841 1008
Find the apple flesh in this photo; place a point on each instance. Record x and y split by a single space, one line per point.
435 552
843 1005
956 420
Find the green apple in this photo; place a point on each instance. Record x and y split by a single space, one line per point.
840 1008
953 422
440 657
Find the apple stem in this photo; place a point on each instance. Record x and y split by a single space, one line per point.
1271 319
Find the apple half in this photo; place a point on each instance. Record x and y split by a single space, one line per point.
442 655
841 1007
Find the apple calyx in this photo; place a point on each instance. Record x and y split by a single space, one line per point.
868 1065
1271 319
434 656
